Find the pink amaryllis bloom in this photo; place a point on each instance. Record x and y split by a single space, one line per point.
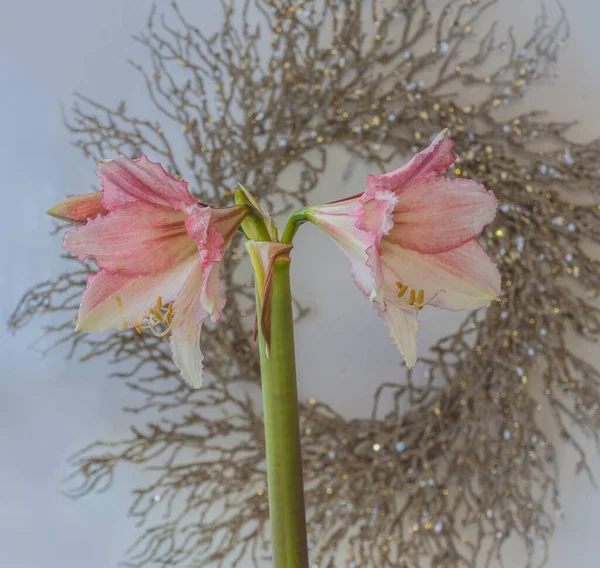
158 252
411 241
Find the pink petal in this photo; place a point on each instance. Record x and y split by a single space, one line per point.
434 215
210 243
461 279
435 159
125 180
226 220
403 326
137 238
189 313
117 301
79 208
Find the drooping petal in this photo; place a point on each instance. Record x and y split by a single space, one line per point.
117 301
434 215
403 326
125 180
189 313
434 160
461 279
137 238
79 208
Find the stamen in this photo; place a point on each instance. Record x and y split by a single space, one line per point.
169 314
416 298
157 314
156 318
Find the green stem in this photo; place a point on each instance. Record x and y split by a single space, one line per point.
282 431
296 219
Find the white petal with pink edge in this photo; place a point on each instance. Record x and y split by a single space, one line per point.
339 222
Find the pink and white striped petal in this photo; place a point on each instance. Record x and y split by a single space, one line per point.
125 180
436 159
117 301
434 215
464 278
79 208
137 238
189 313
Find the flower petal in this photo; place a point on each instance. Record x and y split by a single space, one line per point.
403 326
461 279
435 159
210 243
339 221
213 298
357 225
137 238
434 215
125 180
79 208
117 301
189 313
226 220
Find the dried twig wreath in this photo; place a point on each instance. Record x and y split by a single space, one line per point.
468 466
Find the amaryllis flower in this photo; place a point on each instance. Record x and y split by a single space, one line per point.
411 241
158 252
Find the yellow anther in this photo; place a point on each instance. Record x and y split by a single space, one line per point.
158 304
411 300
138 328
421 297
156 314
402 291
169 314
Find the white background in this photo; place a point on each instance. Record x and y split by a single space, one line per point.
51 407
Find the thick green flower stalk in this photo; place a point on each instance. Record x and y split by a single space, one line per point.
280 402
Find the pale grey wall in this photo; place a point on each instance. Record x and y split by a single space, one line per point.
50 407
